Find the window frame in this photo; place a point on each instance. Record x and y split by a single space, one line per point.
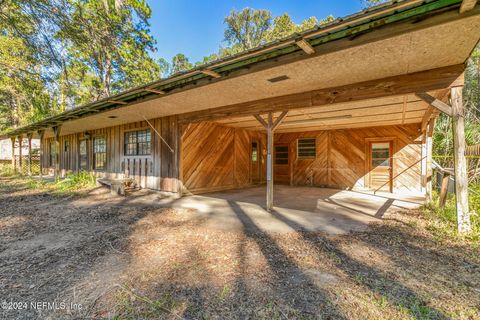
147 143
308 157
94 153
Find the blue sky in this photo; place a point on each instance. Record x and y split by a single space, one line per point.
195 28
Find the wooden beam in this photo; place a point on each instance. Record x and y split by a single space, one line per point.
116 101
399 85
305 46
444 189
261 120
154 91
467 5
211 73
436 103
279 119
461 178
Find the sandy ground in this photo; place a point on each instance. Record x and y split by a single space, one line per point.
103 257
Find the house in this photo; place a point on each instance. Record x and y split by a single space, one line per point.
350 104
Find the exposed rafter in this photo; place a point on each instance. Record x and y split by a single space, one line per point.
436 103
154 91
211 73
305 46
467 5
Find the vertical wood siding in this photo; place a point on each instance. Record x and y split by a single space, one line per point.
155 171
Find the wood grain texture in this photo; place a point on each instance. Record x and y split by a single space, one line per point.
342 155
216 157
155 171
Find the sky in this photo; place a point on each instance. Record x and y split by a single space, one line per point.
195 28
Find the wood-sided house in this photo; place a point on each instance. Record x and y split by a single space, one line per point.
349 104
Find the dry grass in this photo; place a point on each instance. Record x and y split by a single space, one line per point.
125 260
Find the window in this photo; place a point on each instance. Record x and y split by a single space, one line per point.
307 148
137 143
82 154
99 153
381 154
281 154
254 151
51 160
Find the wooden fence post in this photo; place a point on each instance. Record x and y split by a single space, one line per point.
461 178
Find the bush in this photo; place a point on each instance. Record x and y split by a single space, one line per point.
76 181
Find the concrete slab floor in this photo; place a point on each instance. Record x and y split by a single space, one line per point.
295 208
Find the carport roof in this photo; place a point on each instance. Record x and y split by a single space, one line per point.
282 52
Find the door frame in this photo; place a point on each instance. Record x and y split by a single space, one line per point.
368 160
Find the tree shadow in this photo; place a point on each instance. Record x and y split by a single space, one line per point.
288 276
371 278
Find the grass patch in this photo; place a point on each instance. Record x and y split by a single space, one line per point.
72 184
443 221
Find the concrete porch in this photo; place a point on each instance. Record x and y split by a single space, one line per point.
296 208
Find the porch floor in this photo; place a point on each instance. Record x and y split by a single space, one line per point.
296 208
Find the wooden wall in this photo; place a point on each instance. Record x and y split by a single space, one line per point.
156 171
341 160
216 157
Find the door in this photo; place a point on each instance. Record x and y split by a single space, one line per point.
381 166
255 161
281 168
83 155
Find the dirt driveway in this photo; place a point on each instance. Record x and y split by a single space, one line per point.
102 257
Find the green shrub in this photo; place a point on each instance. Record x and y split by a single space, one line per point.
75 181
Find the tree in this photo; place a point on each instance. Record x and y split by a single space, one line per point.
180 63
108 45
371 3
247 29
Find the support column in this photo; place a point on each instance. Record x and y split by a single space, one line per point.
29 137
424 162
20 160
429 162
14 167
41 133
461 178
270 163
270 126
56 133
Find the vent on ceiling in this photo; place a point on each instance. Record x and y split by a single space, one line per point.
278 79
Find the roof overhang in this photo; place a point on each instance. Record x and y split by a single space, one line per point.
396 39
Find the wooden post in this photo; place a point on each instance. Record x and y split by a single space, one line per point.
461 178
444 189
270 162
424 162
429 150
14 167
41 133
29 137
20 141
56 133
270 126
